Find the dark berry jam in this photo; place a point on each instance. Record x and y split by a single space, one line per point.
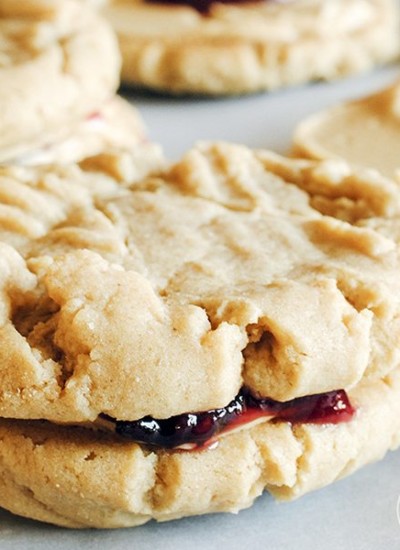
197 430
202 6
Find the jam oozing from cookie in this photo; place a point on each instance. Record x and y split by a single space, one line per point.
202 6
197 430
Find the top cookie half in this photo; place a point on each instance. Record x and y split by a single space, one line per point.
233 267
59 63
241 47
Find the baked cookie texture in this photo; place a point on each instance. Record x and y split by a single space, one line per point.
59 65
158 294
248 47
364 132
242 268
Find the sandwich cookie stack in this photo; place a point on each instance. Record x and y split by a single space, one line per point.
226 326
59 65
176 340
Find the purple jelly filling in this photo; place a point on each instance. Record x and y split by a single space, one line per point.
202 6
200 429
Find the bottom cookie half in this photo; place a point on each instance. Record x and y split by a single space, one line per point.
77 477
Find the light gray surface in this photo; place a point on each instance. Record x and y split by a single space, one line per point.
264 120
358 513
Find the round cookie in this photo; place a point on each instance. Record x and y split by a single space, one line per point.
78 478
59 65
232 267
236 48
364 132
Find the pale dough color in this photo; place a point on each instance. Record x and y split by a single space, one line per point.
59 64
241 48
364 132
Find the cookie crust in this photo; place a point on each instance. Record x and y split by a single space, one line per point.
242 48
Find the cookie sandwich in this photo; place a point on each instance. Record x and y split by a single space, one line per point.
59 65
237 47
222 327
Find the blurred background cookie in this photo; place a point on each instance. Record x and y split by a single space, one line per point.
59 68
364 132
117 125
207 47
